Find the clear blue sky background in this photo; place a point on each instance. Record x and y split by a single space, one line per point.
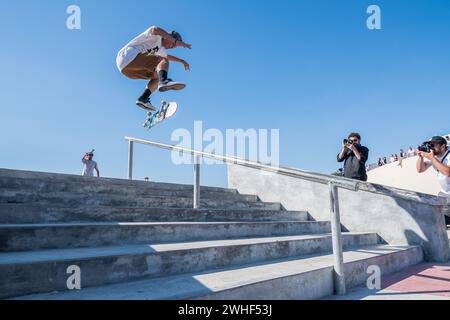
310 68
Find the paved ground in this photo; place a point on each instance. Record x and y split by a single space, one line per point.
427 281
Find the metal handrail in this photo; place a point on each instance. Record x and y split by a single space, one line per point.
333 182
315 177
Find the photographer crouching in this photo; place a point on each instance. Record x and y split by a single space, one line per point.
435 153
355 157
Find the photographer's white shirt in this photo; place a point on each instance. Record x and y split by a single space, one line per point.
88 167
443 180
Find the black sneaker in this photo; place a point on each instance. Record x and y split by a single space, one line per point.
169 84
145 104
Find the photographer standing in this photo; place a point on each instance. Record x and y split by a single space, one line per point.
435 153
355 157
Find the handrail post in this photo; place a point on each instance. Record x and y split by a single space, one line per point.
130 159
336 235
197 182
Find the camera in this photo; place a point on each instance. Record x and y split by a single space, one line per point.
346 141
425 147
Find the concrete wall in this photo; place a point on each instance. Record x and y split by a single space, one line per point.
400 217
406 177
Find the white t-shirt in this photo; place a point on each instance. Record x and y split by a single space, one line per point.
143 43
443 180
88 168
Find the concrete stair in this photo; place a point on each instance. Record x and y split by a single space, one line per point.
141 240
78 235
71 199
41 181
32 213
305 278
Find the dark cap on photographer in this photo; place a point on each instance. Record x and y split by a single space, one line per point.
438 139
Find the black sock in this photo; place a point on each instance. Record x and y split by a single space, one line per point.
162 75
145 95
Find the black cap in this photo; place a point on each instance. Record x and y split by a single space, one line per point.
177 36
438 139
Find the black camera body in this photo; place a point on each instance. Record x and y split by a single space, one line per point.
346 141
425 147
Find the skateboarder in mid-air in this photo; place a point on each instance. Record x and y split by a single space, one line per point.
145 58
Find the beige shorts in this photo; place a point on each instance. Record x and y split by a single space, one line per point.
143 67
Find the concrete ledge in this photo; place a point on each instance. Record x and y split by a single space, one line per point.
400 217
406 177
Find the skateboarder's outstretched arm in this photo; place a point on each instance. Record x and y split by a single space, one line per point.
175 59
157 31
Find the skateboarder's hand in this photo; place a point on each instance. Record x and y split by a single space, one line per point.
186 45
186 66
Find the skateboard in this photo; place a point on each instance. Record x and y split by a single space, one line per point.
167 110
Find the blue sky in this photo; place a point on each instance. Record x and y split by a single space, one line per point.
309 68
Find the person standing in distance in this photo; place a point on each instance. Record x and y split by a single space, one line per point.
89 165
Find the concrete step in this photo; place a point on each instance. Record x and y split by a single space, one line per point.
46 271
17 179
286 279
80 235
153 189
38 213
79 199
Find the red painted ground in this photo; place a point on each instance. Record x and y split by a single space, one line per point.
429 279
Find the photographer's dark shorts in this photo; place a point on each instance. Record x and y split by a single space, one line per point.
143 67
